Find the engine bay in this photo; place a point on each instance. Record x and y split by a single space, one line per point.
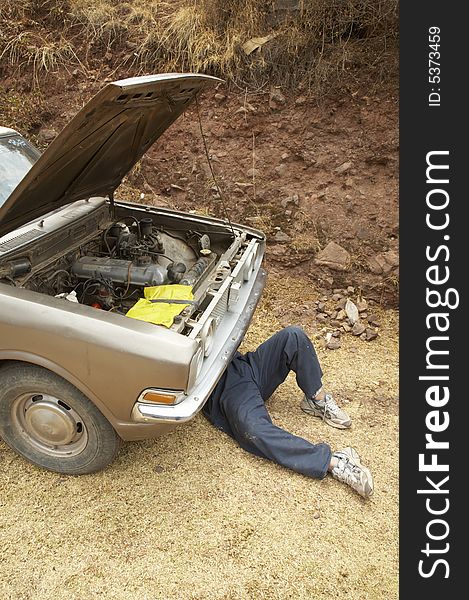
107 262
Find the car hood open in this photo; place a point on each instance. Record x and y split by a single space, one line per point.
101 144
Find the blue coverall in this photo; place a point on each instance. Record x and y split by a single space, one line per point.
237 404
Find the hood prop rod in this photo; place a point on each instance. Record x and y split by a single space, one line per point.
211 168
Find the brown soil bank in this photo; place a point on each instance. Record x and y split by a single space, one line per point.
302 137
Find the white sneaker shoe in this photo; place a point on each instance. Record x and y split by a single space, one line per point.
327 410
349 470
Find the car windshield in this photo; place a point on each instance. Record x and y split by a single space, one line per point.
16 158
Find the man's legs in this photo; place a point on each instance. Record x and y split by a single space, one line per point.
252 427
288 350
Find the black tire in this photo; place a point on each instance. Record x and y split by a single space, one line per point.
51 423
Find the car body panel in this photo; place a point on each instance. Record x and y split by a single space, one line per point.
101 144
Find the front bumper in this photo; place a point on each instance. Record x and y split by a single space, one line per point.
231 331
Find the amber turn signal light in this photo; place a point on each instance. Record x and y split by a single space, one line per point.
159 397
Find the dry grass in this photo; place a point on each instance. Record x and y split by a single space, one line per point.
310 41
192 516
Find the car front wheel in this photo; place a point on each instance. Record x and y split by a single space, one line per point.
51 423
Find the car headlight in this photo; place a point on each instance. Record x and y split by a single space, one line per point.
196 365
248 267
207 335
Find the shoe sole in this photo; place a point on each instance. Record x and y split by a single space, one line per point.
316 413
356 457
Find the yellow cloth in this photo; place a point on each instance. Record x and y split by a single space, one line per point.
161 313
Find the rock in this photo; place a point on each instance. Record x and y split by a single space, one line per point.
341 315
337 297
289 200
335 323
373 320
378 263
370 334
392 258
350 290
282 237
358 328
343 168
346 327
252 173
321 306
374 265
333 256
351 311
333 344
341 304
321 318
220 97
46 135
277 99
362 305
281 169
336 334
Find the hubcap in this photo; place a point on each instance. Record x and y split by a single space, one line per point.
49 424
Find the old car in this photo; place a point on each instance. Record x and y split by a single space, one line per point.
78 374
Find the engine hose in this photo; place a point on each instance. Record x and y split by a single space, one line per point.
196 271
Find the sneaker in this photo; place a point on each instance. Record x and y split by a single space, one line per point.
349 470
327 410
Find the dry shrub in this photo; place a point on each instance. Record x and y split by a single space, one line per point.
318 42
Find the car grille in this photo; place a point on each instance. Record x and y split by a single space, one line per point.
16 241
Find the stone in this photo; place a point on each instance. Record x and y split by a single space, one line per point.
341 315
276 99
378 264
374 265
337 297
321 306
358 328
370 334
350 290
282 237
253 173
362 305
343 168
392 258
351 310
220 97
341 303
290 200
281 169
46 135
321 318
333 256
346 327
333 344
373 320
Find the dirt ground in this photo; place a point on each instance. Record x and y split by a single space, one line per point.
190 515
